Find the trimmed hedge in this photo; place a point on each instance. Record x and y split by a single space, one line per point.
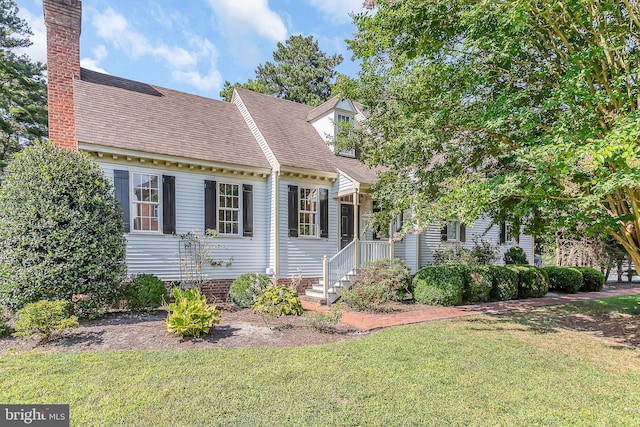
533 282
592 279
245 289
439 285
564 279
504 283
477 284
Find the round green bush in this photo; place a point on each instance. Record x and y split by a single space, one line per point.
246 288
61 231
515 256
145 292
439 285
44 319
504 283
391 273
564 279
592 279
533 282
477 284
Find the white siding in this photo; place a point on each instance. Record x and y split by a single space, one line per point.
305 253
324 126
430 241
158 253
344 184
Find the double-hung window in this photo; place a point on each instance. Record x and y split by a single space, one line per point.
308 212
453 231
339 124
146 201
228 208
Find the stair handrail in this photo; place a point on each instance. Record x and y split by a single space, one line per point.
338 265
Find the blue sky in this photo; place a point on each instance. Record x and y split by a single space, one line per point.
195 45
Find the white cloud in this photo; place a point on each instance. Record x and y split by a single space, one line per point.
250 15
337 10
114 28
99 53
38 50
192 63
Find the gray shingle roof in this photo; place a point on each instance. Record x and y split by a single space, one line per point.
121 113
294 141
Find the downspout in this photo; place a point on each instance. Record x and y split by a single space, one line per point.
276 221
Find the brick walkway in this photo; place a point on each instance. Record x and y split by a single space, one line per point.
368 322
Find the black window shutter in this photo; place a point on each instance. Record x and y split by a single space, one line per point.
210 206
503 232
168 204
247 210
121 186
444 233
357 152
399 221
324 212
463 233
293 211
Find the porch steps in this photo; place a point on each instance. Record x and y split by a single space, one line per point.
316 293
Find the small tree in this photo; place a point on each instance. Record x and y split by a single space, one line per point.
61 231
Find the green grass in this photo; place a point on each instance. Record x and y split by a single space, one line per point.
474 371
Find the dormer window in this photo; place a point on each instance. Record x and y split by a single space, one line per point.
339 126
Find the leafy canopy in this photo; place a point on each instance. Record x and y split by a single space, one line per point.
525 110
301 72
23 91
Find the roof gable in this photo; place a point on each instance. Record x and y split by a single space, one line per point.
121 113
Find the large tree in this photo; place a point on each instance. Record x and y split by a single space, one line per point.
525 110
301 72
23 91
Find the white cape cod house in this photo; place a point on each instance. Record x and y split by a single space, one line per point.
259 170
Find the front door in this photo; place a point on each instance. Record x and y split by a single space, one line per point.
346 225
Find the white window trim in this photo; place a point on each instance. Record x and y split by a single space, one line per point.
508 233
239 209
336 121
133 202
456 224
316 213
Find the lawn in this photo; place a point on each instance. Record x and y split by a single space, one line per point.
499 370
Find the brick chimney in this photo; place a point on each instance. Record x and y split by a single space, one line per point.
63 20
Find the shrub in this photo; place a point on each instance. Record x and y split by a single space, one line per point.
45 319
366 294
515 256
439 285
504 283
483 252
391 273
5 329
246 288
564 279
61 230
592 279
276 301
324 322
533 282
477 284
190 315
145 292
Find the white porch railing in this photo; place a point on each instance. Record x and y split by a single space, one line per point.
350 258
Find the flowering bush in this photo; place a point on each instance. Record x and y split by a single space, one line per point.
246 288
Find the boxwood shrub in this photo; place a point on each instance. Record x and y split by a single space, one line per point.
477 284
564 279
246 288
592 279
145 292
504 283
533 282
439 285
61 231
